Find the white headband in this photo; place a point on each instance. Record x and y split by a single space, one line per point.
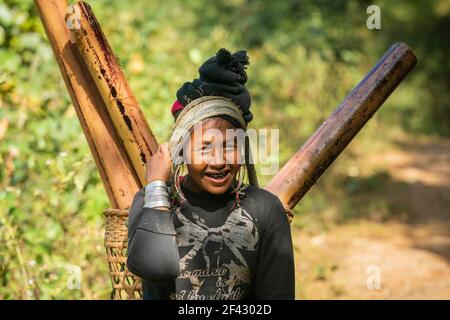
198 110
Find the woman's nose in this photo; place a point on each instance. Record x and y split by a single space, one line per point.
218 157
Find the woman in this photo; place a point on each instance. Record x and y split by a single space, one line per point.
207 234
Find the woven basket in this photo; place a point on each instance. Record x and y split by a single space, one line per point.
125 285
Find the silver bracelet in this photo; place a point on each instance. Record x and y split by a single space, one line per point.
156 192
156 183
158 203
149 202
156 188
156 195
157 198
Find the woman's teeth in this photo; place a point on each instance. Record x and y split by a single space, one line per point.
217 175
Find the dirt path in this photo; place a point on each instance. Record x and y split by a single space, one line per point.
409 257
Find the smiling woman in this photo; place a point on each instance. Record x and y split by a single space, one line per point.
209 138
208 234
215 161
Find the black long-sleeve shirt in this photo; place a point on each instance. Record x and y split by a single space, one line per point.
205 250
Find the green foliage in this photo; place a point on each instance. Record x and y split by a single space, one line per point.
305 57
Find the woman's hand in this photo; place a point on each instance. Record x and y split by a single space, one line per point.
160 164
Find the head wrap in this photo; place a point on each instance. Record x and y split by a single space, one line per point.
198 110
221 75
219 92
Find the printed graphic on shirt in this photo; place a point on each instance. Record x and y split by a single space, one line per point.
214 266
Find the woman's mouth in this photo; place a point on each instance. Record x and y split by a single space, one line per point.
218 178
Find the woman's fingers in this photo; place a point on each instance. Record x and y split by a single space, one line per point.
159 165
163 153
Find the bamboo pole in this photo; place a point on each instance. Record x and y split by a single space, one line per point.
300 173
110 81
117 174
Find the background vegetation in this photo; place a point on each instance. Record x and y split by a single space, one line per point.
305 57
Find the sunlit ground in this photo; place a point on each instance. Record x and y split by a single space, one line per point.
398 250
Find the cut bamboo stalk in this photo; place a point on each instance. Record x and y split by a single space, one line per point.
110 81
118 176
300 173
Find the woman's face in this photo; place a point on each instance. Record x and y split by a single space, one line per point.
215 156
